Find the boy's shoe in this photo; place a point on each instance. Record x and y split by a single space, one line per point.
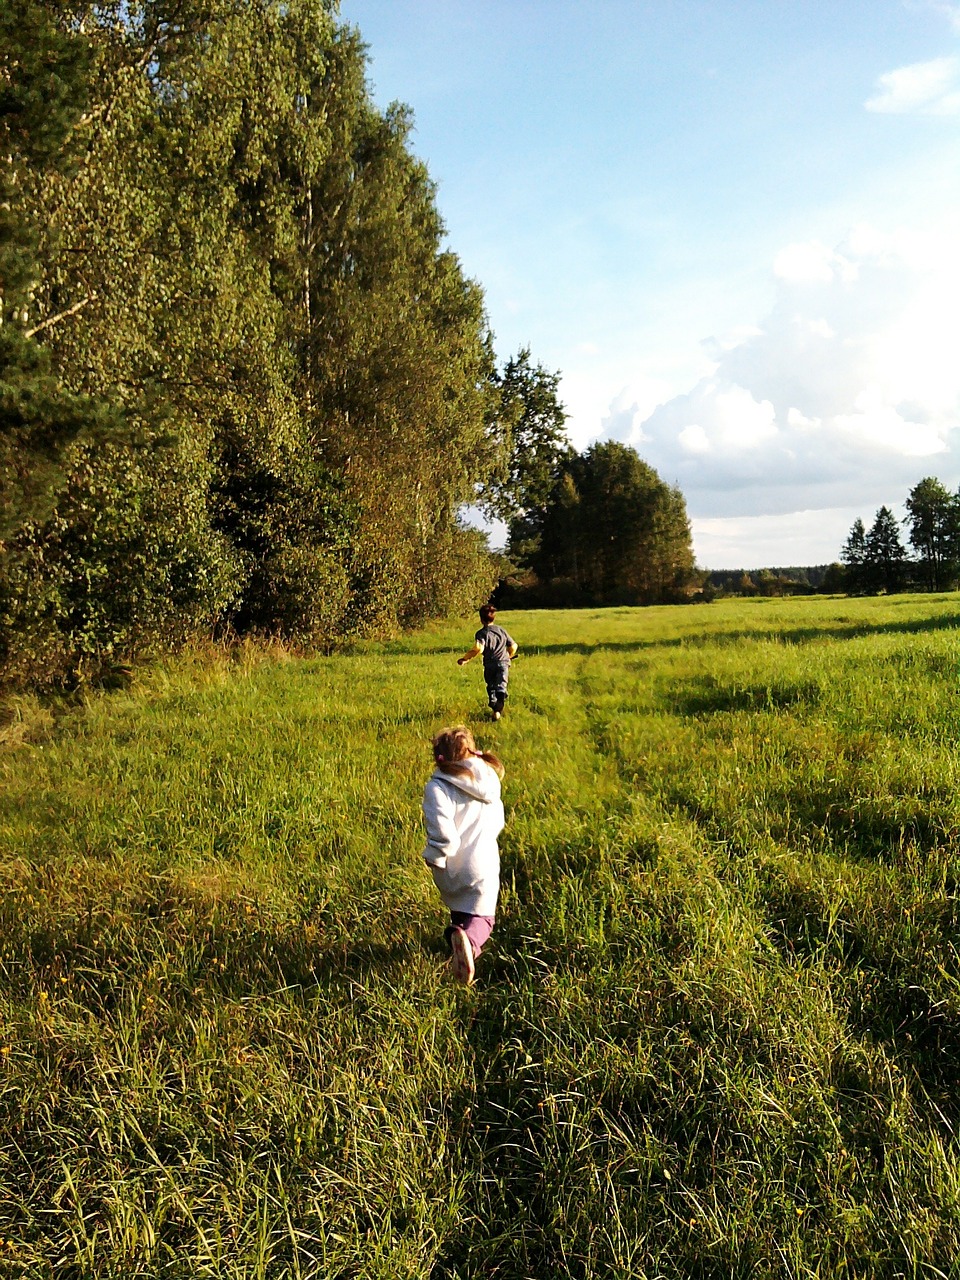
495 715
461 960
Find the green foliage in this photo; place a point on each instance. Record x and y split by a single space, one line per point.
615 531
885 556
124 561
854 557
530 426
717 1032
231 289
835 578
456 572
44 92
877 561
934 517
598 527
399 360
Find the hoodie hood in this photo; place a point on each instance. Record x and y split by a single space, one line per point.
481 783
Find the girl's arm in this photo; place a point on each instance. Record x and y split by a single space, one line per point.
443 839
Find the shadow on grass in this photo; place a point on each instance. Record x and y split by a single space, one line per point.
101 951
796 635
568 1141
704 695
866 827
500 1138
873 828
860 828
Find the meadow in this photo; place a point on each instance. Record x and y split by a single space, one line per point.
717 1033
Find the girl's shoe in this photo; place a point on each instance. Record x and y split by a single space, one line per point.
461 961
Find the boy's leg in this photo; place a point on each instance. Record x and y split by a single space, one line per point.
492 681
502 690
497 690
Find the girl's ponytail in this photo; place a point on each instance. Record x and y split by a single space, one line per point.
493 761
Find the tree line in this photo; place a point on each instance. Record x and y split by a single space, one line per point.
243 383
597 527
875 560
792 580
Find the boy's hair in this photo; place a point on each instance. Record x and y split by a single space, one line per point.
453 746
487 613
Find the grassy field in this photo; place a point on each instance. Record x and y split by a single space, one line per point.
718 1034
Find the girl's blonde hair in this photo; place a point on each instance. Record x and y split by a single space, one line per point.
451 747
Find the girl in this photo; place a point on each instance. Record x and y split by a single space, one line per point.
463 813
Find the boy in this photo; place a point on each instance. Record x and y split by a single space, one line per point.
498 648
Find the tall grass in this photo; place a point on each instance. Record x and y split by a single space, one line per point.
717 1034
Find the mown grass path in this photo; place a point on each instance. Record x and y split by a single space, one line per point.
718 1035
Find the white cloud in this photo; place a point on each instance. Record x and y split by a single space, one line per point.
925 88
742 422
582 389
821 328
694 439
715 347
876 423
757 542
798 422
812 263
846 395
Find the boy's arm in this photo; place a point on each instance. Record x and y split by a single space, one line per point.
512 648
471 653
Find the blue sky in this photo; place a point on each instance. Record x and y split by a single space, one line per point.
732 226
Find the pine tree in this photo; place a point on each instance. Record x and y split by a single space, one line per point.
853 556
933 519
885 558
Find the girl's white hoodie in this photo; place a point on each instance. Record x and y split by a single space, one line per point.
464 815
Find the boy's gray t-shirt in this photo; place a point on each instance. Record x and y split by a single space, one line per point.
496 645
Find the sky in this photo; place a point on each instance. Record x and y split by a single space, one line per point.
732 226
